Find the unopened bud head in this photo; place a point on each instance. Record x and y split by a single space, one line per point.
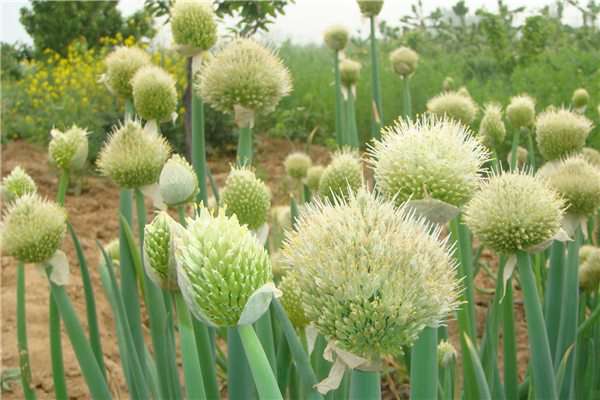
178 182
247 197
17 184
342 176
297 164
69 150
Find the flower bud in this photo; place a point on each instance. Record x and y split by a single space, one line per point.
291 300
336 37
297 164
491 128
17 184
133 157
448 84
32 229
178 182
342 176
349 72
121 65
585 252
589 271
521 111
313 176
580 98
522 157
404 61
454 105
69 150
159 258
446 353
247 197
370 8
154 94
560 132
193 24
113 250
220 265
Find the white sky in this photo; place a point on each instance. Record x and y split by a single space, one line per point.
304 21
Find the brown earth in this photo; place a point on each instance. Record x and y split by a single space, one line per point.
93 216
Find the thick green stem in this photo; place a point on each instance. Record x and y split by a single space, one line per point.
407 101
264 331
513 149
207 361
378 109
541 361
554 294
366 385
238 370
352 130
244 150
530 148
511 383
199 146
129 108
424 368
339 111
24 365
63 185
264 378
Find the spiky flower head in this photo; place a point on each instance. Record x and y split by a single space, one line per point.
154 94
133 157
404 61
297 164
577 181
491 129
313 176
454 105
32 229
193 24
349 72
220 265
431 158
291 300
178 182
560 132
159 246
580 98
336 37
370 8
514 211
448 84
17 184
371 275
522 157
592 156
247 74
247 197
446 353
342 176
121 65
521 111
69 150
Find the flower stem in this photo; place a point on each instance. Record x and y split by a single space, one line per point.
511 382
378 109
513 149
366 385
339 110
63 185
244 150
424 368
407 101
24 365
554 294
199 146
240 385
530 148
352 131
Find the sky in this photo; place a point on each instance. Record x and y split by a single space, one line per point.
304 21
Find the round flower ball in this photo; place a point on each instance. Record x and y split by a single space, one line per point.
121 65
349 72
247 197
342 176
560 132
592 156
522 157
514 211
297 164
454 105
336 37
448 84
370 8
244 73
521 111
69 150
589 268
17 184
371 275
580 98
193 24
431 158
178 182
291 300
491 128
313 176
154 93
159 257
133 157
32 229
404 61
577 181
220 265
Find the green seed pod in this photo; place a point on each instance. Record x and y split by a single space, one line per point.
220 265
159 257
577 181
297 164
244 73
154 94
342 176
491 128
592 156
371 275
133 157
448 84
370 8
69 150
349 72
446 353
404 61
454 105
178 182
580 98
514 211
121 65
17 184
522 157
336 37
291 300
247 197
193 24
521 111
561 132
313 176
430 158
32 229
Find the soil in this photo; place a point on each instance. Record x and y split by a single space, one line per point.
92 212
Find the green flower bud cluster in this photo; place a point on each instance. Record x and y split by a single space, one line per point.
193 24
313 177
178 182
247 197
370 8
560 132
491 129
457 106
342 176
448 84
521 111
121 65
349 72
589 268
404 61
69 150
580 98
159 257
522 157
297 164
17 184
446 353
291 300
336 37
592 156
154 93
